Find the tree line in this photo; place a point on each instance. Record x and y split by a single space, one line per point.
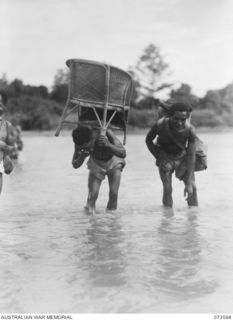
38 108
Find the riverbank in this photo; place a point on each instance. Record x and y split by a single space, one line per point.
130 130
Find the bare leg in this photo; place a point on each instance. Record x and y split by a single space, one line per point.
93 192
114 179
166 178
193 200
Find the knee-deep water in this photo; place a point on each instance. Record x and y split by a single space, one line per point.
141 259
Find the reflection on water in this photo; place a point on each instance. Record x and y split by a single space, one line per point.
143 258
106 261
180 256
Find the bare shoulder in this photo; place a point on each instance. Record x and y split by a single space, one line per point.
113 138
192 130
191 133
117 142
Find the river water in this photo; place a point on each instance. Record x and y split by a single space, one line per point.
142 259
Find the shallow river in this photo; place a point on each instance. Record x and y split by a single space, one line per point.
143 258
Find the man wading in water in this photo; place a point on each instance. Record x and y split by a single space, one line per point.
106 159
174 151
6 141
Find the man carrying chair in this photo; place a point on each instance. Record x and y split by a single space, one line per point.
106 158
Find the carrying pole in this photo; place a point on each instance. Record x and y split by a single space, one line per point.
64 112
62 118
107 84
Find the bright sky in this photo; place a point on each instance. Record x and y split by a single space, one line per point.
195 37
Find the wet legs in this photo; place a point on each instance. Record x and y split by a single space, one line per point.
114 179
93 192
166 178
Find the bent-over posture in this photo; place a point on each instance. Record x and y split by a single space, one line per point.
106 158
6 141
174 151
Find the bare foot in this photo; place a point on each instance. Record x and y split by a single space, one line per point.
89 210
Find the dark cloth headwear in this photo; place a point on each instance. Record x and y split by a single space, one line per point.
81 135
181 107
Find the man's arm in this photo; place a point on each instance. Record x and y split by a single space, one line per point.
112 143
153 148
11 137
191 151
79 156
191 154
190 160
9 143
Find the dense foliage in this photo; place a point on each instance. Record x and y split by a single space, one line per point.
38 108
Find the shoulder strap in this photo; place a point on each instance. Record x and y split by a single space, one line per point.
160 124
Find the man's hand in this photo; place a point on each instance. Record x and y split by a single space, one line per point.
102 141
80 153
188 190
